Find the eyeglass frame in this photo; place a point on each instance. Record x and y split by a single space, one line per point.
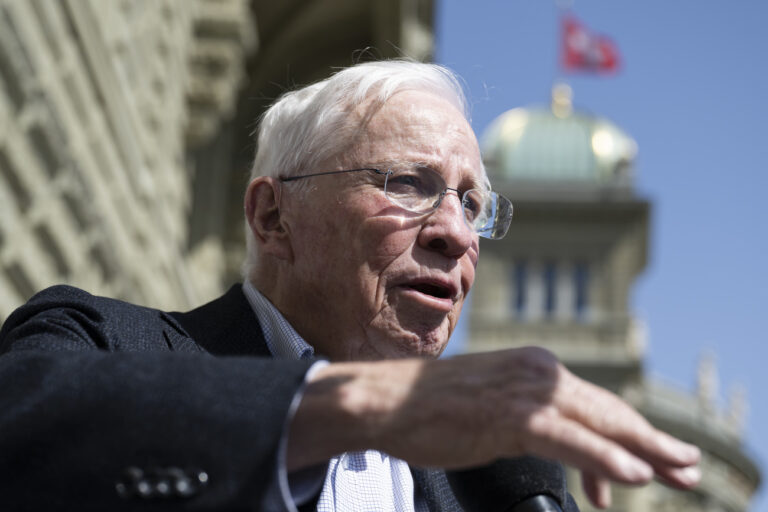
438 202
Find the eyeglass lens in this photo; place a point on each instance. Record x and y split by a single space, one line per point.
421 190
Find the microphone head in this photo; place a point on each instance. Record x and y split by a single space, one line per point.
505 483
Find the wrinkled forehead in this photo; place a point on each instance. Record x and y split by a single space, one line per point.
419 128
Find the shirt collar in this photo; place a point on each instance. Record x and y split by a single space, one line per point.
281 338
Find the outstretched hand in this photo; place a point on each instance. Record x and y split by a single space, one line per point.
472 409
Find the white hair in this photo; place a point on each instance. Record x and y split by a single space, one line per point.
306 127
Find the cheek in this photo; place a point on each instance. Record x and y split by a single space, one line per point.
319 259
468 266
348 262
383 241
324 233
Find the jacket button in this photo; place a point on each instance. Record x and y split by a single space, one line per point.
184 488
127 485
160 482
122 490
144 489
163 488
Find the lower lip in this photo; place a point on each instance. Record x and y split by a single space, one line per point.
443 304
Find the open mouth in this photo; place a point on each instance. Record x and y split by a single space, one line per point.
441 292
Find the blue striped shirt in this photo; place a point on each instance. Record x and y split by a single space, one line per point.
356 481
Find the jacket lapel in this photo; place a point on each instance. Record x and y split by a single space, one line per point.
433 486
226 326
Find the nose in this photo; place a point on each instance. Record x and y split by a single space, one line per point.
446 230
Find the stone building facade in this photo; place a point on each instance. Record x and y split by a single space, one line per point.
98 102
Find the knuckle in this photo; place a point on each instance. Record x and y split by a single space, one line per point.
541 360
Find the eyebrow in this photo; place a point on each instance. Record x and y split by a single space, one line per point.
475 182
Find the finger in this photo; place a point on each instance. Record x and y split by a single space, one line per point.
553 436
597 489
680 478
611 417
661 449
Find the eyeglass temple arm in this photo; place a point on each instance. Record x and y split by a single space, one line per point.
294 178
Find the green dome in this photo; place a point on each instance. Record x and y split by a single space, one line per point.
557 145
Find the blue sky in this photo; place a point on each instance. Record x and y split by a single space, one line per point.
693 93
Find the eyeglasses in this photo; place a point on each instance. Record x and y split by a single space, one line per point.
421 190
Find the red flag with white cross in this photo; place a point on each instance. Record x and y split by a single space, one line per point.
583 50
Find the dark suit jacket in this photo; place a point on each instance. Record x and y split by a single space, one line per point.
105 405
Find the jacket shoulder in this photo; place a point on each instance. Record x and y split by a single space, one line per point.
64 317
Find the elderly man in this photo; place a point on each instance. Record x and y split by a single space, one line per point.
315 383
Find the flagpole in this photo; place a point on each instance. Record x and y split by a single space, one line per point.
561 92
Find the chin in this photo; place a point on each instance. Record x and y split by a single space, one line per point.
428 345
399 334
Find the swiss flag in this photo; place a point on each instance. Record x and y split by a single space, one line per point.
583 50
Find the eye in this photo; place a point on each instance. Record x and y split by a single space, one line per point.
405 180
414 183
473 204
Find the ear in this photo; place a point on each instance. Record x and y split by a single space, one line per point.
262 211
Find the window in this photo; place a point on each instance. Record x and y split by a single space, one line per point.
520 286
580 285
550 289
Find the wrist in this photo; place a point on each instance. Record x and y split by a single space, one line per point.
328 419
349 407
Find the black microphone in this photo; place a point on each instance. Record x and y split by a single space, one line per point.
522 484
